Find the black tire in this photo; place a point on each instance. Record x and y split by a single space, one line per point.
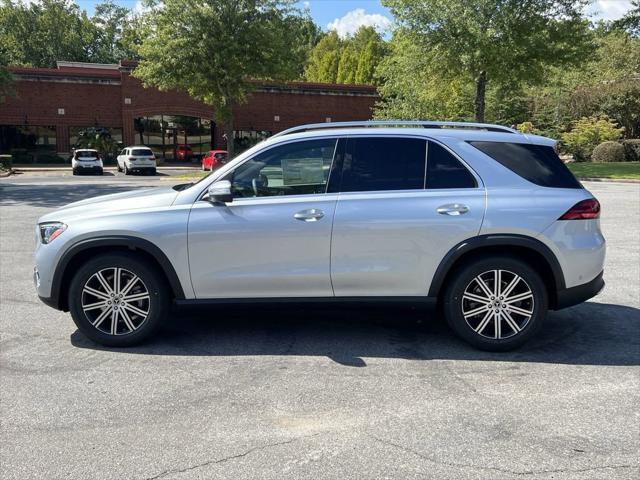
152 172
157 304
101 172
508 337
75 172
118 167
126 170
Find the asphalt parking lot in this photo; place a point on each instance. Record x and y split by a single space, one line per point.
314 392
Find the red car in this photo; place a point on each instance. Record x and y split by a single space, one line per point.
214 159
184 153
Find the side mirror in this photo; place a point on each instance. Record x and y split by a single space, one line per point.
220 191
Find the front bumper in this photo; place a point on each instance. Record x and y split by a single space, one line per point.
580 293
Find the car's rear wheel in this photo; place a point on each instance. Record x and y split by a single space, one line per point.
497 303
118 300
126 170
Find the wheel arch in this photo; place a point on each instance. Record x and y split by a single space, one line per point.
78 253
528 249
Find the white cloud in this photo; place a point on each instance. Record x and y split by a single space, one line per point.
353 20
609 9
306 4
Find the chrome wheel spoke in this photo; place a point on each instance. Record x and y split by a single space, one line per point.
476 311
130 285
114 322
93 306
135 310
492 296
518 310
98 321
509 319
135 297
127 320
95 293
476 298
103 282
484 322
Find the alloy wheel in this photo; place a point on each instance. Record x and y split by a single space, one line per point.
497 304
116 301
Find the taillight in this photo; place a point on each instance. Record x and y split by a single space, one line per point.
584 210
132 158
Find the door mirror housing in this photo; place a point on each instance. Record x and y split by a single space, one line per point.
220 191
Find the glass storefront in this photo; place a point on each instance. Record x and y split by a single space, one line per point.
245 139
163 134
28 142
108 141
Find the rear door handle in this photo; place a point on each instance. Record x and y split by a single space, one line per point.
310 215
453 209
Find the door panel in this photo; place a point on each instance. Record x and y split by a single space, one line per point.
253 248
390 243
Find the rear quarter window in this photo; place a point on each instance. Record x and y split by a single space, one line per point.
538 164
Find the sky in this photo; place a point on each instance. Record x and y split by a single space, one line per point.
346 16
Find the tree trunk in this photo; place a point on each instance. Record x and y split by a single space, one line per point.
228 130
481 87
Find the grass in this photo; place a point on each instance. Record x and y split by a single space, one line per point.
614 170
188 177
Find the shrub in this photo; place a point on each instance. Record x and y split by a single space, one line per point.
631 150
608 152
5 162
525 127
587 133
50 158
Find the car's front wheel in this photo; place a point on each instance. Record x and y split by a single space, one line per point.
496 303
118 300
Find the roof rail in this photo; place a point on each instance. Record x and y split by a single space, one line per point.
396 123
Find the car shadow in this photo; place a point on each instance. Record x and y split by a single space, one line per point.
59 195
588 334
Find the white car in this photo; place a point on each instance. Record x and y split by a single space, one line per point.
86 160
137 159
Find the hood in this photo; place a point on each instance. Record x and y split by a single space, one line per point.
106 204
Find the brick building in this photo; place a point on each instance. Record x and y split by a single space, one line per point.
53 108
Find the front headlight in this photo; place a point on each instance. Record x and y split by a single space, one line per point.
50 231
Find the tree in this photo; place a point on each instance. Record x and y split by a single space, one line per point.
631 21
111 22
324 59
503 41
214 49
349 60
39 34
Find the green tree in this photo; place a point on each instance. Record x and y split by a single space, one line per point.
631 21
324 59
348 65
214 49
502 41
39 34
111 21
587 133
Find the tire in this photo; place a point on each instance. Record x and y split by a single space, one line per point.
479 328
118 167
203 169
75 172
126 170
131 327
101 172
152 172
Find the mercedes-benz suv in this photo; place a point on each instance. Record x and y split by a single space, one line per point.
480 219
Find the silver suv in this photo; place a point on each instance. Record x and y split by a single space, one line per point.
483 220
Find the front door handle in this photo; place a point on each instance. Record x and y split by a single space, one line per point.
453 209
310 215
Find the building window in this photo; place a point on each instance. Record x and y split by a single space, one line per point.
106 140
165 133
245 139
28 141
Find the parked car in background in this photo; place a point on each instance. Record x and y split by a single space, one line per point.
481 219
86 160
137 159
214 159
184 153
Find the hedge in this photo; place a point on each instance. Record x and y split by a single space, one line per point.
631 150
608 152
5 162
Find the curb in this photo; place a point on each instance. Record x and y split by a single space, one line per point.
609 180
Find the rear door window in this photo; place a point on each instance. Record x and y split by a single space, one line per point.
538 164
446 171
383 163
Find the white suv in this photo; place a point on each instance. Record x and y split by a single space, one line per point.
483 220
86 160
137 159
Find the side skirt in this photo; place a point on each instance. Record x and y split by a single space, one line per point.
198 302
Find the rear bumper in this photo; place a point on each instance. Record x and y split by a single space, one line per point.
580 293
